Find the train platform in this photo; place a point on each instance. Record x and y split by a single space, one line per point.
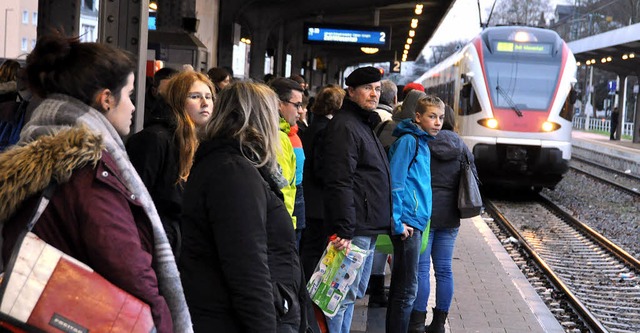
621 154
491 294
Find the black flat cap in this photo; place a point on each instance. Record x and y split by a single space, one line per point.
363 75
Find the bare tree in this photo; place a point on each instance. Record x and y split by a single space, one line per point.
520 12
441 52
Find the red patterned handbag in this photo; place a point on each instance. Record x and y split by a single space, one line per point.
44 289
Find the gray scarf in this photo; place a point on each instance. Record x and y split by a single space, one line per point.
59 112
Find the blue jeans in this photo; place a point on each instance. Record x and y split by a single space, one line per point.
440 249
379 263
341 322
404 281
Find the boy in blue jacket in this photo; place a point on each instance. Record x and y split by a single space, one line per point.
409 161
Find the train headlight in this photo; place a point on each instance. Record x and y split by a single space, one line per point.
489 122
548 126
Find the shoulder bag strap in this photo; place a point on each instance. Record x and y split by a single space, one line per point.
45 197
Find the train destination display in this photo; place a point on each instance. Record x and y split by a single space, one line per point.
359 36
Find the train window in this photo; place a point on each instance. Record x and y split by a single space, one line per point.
523 85
469 103
567 109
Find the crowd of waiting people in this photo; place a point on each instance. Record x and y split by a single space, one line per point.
217 212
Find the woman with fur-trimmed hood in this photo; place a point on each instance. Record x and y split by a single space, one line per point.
100 212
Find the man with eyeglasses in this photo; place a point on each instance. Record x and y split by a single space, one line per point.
291 158
357 189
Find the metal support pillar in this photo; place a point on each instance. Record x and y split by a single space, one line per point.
59 15
258 49
622 105
120 26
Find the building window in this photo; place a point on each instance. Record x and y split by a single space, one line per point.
25 17
24 45
35 18
88 4
87 33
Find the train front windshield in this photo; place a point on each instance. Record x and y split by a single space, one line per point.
522 80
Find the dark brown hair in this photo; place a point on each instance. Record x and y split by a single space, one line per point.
63 65
328 100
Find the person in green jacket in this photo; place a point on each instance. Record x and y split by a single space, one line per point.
290 95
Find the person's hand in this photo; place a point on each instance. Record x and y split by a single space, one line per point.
407 232
341 244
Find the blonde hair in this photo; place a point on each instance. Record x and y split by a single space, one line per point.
429 101
186 133
248 112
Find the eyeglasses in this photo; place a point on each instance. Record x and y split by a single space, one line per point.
297 105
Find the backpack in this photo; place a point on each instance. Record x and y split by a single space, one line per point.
387 140
11 121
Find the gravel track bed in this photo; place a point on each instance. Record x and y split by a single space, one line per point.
613 213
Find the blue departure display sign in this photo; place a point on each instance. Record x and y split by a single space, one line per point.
321 33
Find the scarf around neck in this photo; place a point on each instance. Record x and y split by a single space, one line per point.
58 112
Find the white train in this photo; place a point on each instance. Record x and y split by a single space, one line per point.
511 91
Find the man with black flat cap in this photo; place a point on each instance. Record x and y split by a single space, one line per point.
357 189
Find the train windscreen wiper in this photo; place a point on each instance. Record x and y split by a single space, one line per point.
506 97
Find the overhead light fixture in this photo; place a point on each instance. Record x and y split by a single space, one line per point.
632 55
369 50
406 46
405 52
609 58
414 23
625 57
412 33
245 40
409 40
153 5
418 10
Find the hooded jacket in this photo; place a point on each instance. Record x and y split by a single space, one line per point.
287 162
154 153
94 226
357 193
405 110
101 210
446 156
239 259
410 177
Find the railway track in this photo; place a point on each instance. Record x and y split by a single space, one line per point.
599 279
624 181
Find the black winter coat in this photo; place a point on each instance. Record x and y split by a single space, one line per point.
312 142
445 176
357 193
239 260
154 153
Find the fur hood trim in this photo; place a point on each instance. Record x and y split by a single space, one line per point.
28 169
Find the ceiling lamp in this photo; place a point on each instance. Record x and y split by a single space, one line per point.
406 46
409 41
369 50
153 5
418 10
414 23
412 33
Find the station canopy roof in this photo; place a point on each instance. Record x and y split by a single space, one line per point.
396 14
615 51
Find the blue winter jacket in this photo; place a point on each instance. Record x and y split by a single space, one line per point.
410 181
